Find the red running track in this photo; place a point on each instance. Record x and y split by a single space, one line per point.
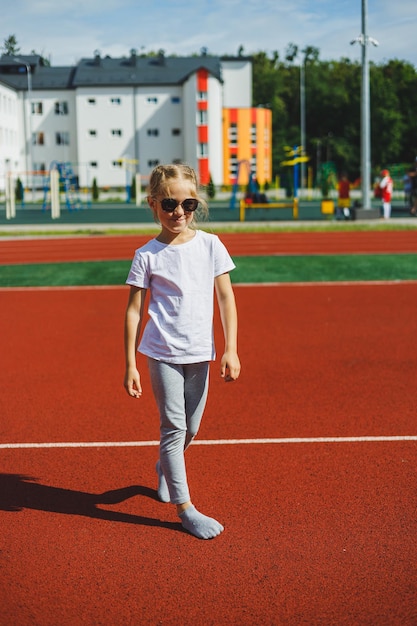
97 247
316 533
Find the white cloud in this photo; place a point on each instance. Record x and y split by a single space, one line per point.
71 29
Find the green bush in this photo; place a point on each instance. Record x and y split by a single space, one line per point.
94 191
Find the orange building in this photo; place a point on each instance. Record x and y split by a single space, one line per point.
247 136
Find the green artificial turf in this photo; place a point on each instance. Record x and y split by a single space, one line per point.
316 268
250 269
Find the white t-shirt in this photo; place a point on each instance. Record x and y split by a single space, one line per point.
181 283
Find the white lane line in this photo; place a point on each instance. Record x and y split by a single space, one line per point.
207 442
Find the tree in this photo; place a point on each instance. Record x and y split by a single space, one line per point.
333 109
133 188
211 190
10 46
94 190
19 192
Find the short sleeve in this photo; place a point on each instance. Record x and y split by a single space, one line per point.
222 260
139 274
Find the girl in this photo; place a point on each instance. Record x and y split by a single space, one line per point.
181 268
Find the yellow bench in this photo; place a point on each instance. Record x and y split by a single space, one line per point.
270 205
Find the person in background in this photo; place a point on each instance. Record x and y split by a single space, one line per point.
343 200
413 194
386 186
408 186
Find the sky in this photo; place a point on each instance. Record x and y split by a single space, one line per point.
65 31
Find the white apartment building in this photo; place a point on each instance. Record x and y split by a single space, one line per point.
109 118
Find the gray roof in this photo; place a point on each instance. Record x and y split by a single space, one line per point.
13 72
105 71
134 70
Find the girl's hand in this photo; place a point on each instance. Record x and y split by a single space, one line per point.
230 366
132 383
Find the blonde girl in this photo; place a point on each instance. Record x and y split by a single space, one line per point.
180 268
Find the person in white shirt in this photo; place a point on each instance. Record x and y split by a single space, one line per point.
181 268
386 185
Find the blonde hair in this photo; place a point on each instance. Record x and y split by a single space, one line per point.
162 175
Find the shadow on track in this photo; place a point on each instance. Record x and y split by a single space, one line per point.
18 492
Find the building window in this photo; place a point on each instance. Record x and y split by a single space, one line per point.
62 138
152 100
253 135
153 162
38 139
91 101
201 118
116 101
202 95
39 166
93 164
116 132
61 108
233 165
175 99
92 132
176 132
233 134
117 164
37 108
153 132
202 149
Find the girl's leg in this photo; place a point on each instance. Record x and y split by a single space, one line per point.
180 392
195 393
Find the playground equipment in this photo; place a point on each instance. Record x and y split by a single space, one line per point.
68 180
130 169
10 197
244 204
255 200
251 185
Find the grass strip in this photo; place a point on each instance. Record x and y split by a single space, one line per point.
250 269
333 268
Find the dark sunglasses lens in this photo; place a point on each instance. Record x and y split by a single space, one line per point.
190 204
169 204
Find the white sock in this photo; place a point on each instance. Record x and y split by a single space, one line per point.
200 525
163 493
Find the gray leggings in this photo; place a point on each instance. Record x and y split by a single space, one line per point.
180 392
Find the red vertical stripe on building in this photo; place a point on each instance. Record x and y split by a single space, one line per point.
203 165
202 134
202 76
233 116
202 105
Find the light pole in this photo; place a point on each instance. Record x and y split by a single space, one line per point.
29 166
302 117
364 41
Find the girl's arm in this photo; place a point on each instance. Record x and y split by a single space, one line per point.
230 364
133 322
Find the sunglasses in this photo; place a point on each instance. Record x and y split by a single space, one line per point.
170 204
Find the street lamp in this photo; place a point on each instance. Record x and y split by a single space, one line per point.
364 41
29 166
303 116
